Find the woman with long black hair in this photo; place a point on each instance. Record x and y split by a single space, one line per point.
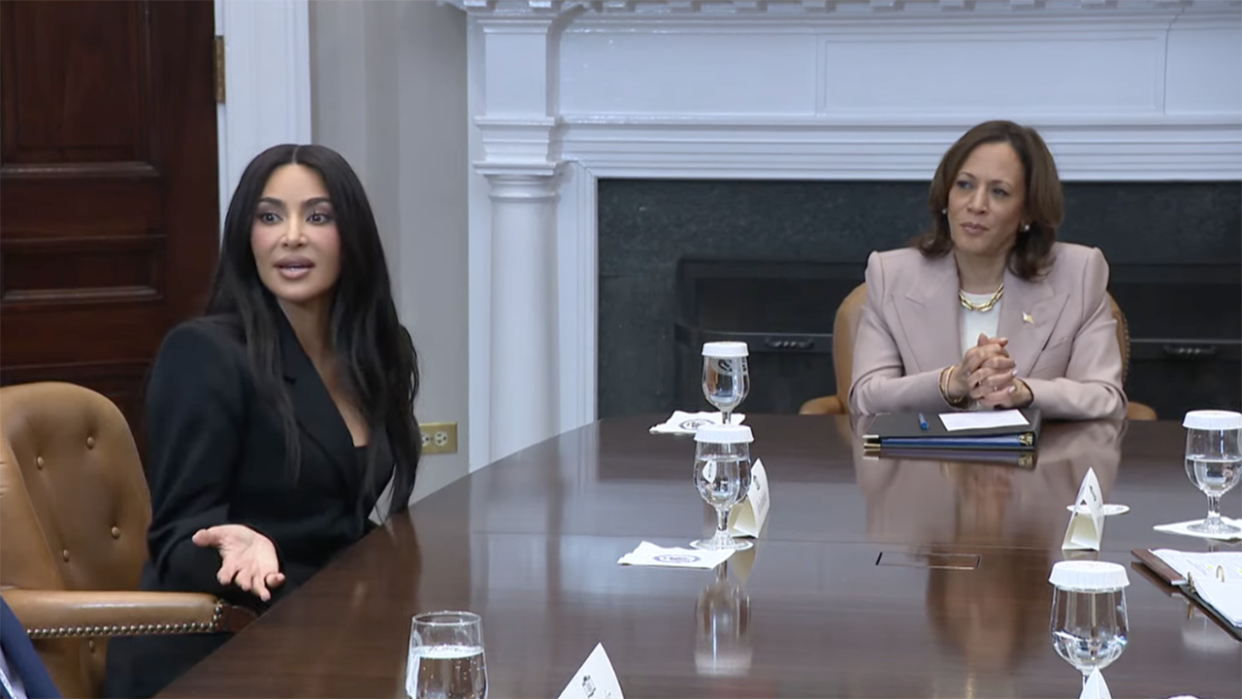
280 424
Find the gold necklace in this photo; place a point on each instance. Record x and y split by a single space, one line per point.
986 305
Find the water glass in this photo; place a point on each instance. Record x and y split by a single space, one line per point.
1089 623
722 475
1213 461
446 657
726 377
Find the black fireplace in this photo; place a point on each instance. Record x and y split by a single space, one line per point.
686 262
782 309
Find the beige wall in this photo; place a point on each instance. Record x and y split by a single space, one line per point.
388 83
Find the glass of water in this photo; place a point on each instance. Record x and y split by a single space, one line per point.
446 657
722 475
726 377
1089 624
1213 461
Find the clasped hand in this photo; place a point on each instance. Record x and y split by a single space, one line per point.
247 558
987 374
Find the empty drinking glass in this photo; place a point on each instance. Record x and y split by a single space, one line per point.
446 657
1089 624
1213 461
722 475
726 378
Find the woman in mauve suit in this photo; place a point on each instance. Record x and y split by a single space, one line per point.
986 310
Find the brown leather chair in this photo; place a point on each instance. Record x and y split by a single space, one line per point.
845 327
74 512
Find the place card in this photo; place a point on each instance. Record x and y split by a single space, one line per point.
595 679
1086 526
1094 687
747 517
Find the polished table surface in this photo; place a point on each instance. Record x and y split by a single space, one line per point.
872 577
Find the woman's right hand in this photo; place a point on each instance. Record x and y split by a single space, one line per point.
985 368
247 558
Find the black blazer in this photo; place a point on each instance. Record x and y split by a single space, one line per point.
22 659
216 455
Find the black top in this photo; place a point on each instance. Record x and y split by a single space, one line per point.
216 455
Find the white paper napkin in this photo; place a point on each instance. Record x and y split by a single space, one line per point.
1094 688
648 554
682 422
1183 529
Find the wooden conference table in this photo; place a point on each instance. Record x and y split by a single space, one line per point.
872 578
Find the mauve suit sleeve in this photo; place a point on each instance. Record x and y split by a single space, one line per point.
195 421
1091 387
880 383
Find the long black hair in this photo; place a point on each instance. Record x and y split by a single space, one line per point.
379 365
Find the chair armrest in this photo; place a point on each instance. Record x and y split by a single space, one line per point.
70 613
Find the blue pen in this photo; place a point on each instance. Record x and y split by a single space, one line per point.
922 422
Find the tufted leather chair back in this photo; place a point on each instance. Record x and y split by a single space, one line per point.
75 509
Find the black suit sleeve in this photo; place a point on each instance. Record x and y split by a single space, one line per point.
196 402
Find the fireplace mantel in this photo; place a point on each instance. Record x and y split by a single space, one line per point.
565 92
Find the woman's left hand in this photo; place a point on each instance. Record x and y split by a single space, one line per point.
1016 394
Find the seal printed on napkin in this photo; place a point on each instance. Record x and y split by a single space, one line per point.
682 422
648 554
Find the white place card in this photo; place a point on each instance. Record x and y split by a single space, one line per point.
1094 687
595 679
1086 526
747 517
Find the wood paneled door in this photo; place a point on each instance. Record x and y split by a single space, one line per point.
108 199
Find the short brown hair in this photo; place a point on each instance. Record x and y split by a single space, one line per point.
1045 207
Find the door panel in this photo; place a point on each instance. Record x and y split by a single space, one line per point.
108 203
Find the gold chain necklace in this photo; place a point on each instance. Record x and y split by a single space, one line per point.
986 305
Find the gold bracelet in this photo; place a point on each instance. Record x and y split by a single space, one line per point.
944 389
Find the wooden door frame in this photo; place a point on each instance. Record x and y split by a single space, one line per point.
267 83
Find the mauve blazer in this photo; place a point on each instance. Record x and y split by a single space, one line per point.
1061 330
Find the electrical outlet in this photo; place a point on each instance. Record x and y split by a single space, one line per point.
439 437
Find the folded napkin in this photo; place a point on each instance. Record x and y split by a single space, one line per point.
1182 528
648 554
686 423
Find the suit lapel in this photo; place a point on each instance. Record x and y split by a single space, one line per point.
1028 313
929 316
313 406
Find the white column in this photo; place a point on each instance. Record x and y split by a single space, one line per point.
524 325
519 129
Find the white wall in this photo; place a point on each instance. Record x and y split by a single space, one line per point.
388 84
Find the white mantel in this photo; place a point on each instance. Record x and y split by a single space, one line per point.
564 93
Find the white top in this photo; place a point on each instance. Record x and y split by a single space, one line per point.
1215 420
725 350
724 434
12 683
1088 576
975 322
